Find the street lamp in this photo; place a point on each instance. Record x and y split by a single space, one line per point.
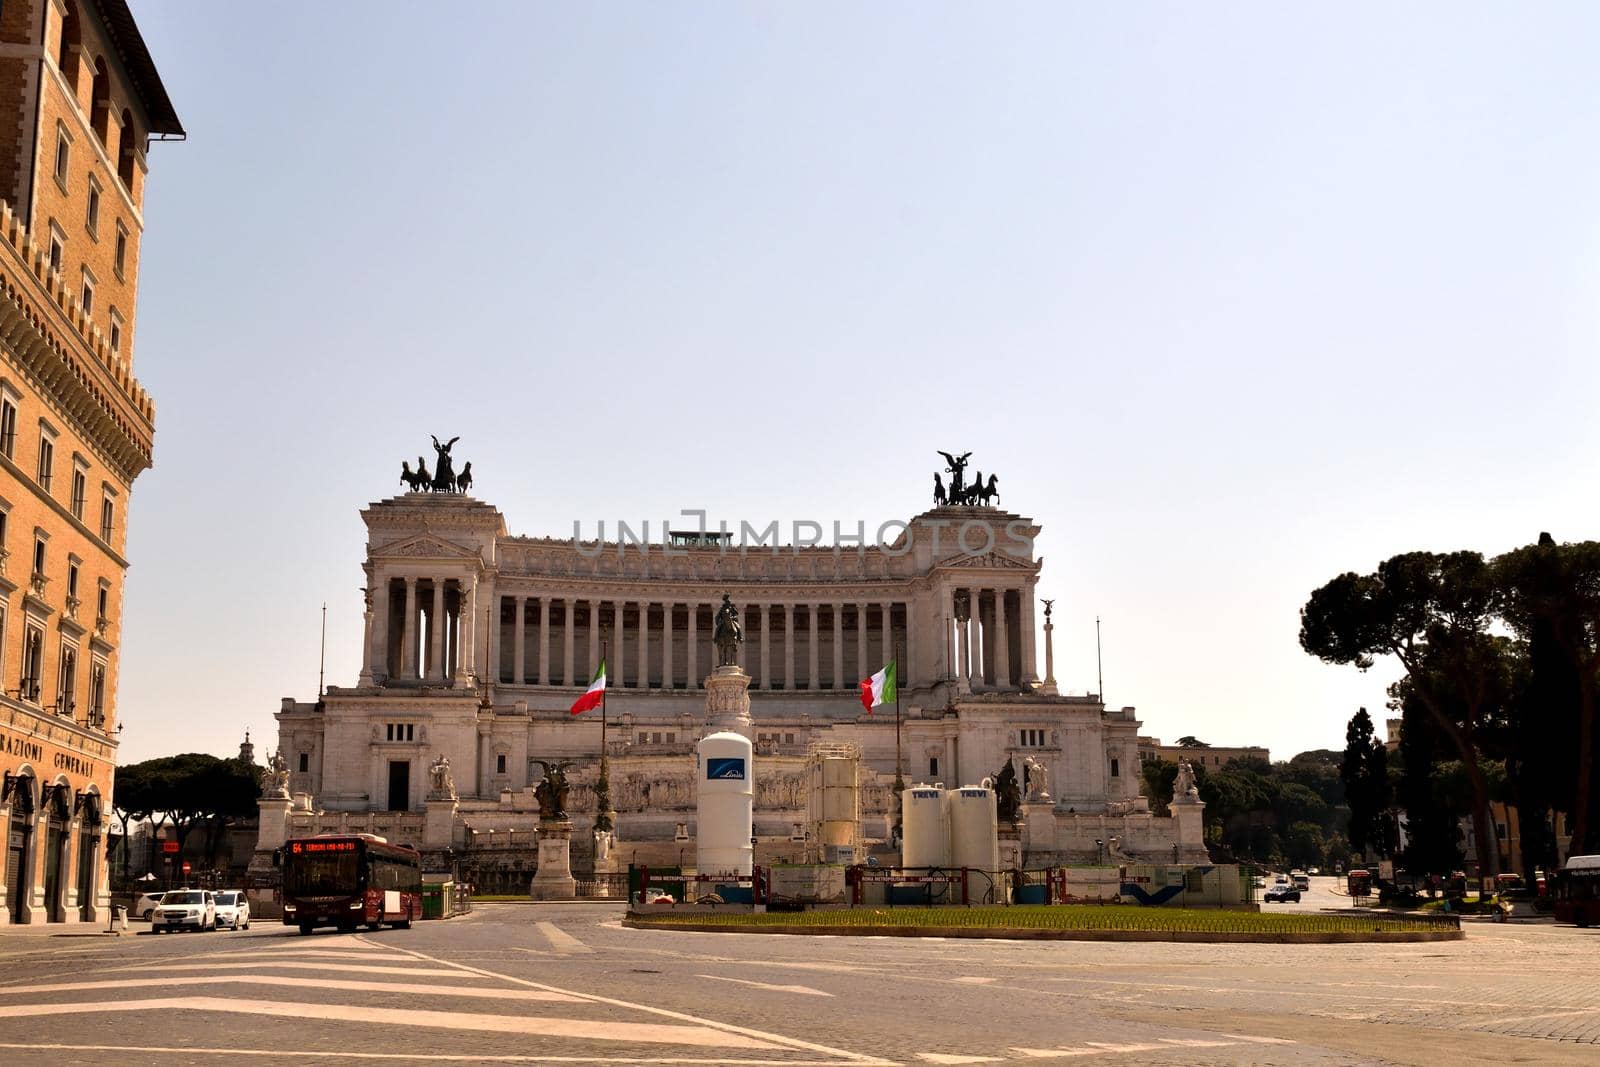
1100 852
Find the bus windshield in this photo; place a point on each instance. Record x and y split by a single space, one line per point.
323 875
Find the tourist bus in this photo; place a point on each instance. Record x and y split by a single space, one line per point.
345 880
1577 891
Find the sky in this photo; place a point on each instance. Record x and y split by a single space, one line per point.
1233 299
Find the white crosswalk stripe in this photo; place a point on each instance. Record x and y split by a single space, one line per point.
336 986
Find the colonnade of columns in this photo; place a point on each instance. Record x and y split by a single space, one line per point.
667 644
423 629
991 645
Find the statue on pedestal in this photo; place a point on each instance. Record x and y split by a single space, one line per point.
444 785
1007 795
277 776
1036 779
551 792
727 635
1184 790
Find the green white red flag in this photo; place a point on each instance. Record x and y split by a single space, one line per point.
879 689
595 693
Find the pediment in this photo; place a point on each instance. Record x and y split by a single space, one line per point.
995 560
423 546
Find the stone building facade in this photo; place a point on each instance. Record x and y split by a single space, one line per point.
477 643
80 100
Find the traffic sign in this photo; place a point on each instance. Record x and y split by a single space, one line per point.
169 846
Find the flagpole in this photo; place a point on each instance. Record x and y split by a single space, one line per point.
602 789
899 769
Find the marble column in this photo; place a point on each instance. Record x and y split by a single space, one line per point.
1030 656
691 648
544 640
408 632
861 642
788 647
666 643
889 651
813 680
619 613
1002 642
964 640
747 618
467 657
569 609
519 637
436 634
592 609
838 646
380 630
644 644
766 647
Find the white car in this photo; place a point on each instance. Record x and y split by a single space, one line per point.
185 909
233 909
144 903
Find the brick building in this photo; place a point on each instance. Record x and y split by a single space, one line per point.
80 101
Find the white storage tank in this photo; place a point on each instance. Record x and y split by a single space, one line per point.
724 804
974 827
838 823
924 827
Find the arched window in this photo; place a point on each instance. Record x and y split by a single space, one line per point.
71 39
100 102
127 141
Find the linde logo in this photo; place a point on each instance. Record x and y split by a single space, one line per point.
725 768
970 536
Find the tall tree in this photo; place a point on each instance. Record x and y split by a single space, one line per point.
1433 826
1551 595
1432 612
1365 774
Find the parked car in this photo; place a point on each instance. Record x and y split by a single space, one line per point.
185 909
144 902
1258 882
1283 891
233 909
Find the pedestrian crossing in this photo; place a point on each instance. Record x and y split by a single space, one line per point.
322 998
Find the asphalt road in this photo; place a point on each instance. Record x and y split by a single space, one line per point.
565 983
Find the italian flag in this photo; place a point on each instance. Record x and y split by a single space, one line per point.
595 693
879 689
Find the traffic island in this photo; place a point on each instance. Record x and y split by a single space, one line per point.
1067 922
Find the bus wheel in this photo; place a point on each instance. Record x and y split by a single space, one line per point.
306 928
403 924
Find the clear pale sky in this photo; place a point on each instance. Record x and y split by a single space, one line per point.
1233 298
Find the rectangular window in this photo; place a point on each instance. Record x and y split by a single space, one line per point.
116 332
102 608
91 218
400 731
305 762
1116 769
72 578
32 663
88 292
107 514
47 459
63 157
933 766
57 250
500 764
66 690
122 250
80 490
97 696
8 427
38 557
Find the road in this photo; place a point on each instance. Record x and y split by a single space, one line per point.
566 983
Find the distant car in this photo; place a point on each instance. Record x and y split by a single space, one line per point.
185 909
1302 883
143 903
1258 882
1314 871
1283 891
233 909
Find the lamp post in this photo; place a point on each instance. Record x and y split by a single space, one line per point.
1100 852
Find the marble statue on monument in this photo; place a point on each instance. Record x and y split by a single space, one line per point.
444 785
727 635
277 776
1184 790
553 879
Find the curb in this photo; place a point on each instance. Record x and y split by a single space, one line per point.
1345 937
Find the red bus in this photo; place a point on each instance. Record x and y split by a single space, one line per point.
345 880
1577 891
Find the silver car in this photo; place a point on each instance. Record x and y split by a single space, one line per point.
233 909
185 909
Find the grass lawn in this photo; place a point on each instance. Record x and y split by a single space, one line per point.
1057 917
